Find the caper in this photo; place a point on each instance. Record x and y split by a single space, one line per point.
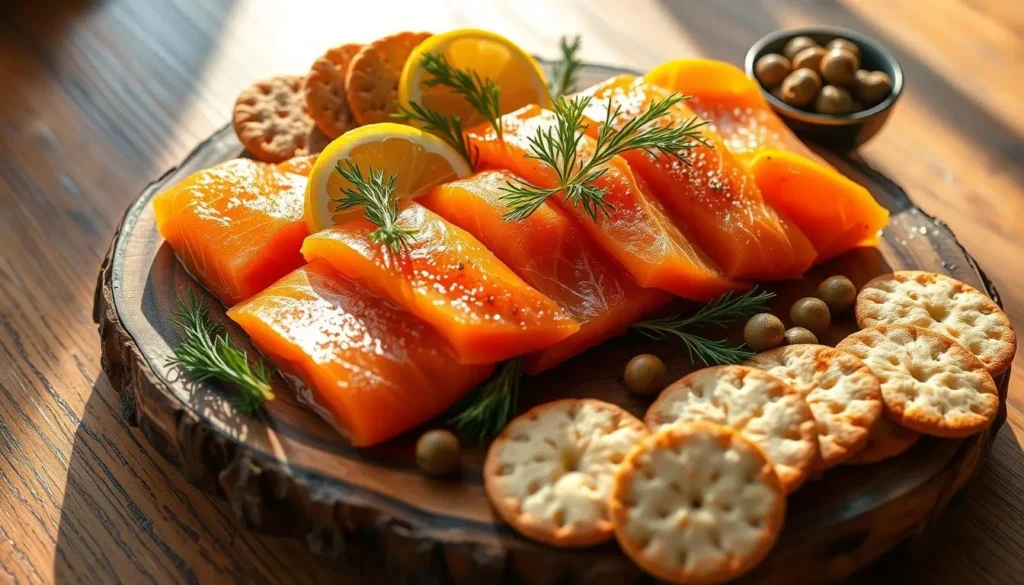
833 100
437 452
839 67
872 86
798 335
771 69
811 313
764 331
838 292
845 45
797 44
800 87
645 374
777 92
809 58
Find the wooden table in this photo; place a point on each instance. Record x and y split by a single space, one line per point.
97 98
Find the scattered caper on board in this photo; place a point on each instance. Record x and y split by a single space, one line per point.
771 69
764 331
809 58
645 375
839 67
438 452
838 293
833 99
798 335
797 44
800 87
811 313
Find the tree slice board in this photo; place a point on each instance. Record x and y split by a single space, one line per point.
287 472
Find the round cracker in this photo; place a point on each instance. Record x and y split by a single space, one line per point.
766 410
549 473
887 439
270 119
697 503
844 395
324 91
371 84
942 304
930 383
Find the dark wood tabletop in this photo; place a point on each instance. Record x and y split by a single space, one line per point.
98 98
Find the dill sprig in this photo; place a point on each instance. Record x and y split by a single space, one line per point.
448 128
376 195
558 147
719 312
487 409
482 93
208 354
566 69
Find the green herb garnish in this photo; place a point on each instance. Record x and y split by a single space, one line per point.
209 354
558 146
719 312
448 128
376 196
566 69
482 93
487 409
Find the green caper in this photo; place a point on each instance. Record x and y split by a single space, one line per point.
797 44
645 374
833 99
811 313
798 335
872 86
764 331
845 45
839 67
771 69
438 452
809 58
838 292
800 87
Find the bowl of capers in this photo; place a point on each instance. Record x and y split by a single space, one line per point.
830 85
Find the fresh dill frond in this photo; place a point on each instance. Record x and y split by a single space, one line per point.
448 128
482 93
489 407
558 148
376 195
566 69
209 354
720 312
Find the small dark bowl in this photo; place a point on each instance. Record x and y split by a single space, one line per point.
839 131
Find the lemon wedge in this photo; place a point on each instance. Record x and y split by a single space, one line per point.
488 55
421 161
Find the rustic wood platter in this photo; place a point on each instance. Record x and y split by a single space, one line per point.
287 472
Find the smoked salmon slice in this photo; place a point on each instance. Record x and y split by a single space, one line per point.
637 232
714 195
369 368
237 226
834 212
449 279
554 255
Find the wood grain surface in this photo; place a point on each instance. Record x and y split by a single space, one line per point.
100 97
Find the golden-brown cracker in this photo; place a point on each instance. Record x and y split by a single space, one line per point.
943 304
930 383
697 503
842 392
766 410
371 85
324 89
887 439
550 471
270 119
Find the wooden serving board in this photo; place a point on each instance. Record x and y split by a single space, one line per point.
287 472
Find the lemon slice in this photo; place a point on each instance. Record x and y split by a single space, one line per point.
420 160
488 55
